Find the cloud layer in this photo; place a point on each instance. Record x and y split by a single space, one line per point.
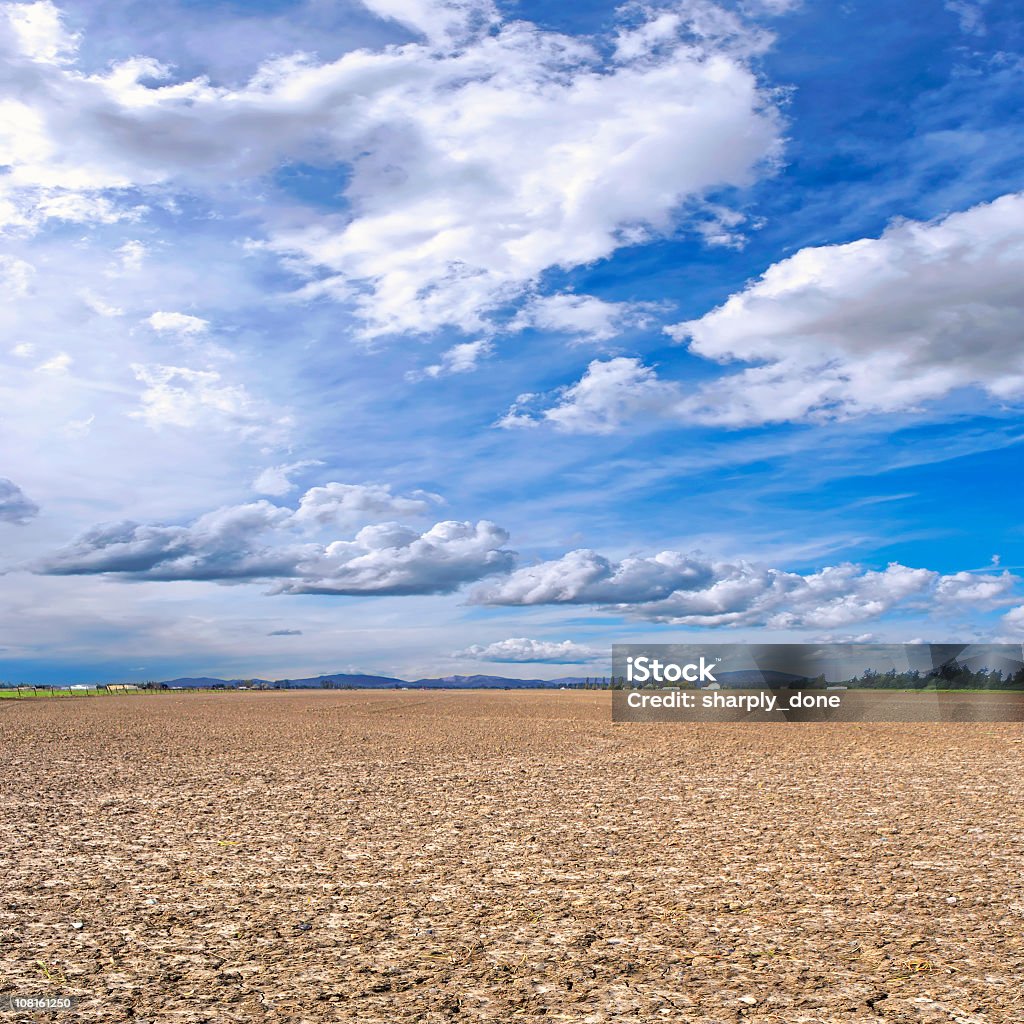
692 590
260 541
263 542
522 649
874 326
449 216
880 325
612 393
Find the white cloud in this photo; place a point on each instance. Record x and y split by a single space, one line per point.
178 323
221 545
852 638
454 217
770 7
585 316
877 325
130 257
652 29
59 363
15 277
393 559
24 208
15 506
720 226
80 208
337 504
970 13
276 480
989 589
692 590
609 394
40 32
450 215
525 650
177 396
461 358
263 541
444 22
657 31
1015 619
98 305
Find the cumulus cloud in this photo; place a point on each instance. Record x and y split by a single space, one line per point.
692 590
977 588
523 649
616 151
40 33
220 545
15 506
1015 619
393 559
449 215
878 325
263 541
610 393
337 504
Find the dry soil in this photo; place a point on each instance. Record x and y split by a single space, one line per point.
504 856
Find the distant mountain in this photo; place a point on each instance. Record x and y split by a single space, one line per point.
493 683
348 680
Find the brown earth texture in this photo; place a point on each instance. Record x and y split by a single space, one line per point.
504 856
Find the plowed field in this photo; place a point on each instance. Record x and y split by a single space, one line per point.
504 856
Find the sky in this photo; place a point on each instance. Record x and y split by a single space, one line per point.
427 337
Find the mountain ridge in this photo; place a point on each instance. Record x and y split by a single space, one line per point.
366 681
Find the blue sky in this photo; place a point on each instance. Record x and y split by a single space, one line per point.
438 336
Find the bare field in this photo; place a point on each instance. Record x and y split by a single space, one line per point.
504 856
